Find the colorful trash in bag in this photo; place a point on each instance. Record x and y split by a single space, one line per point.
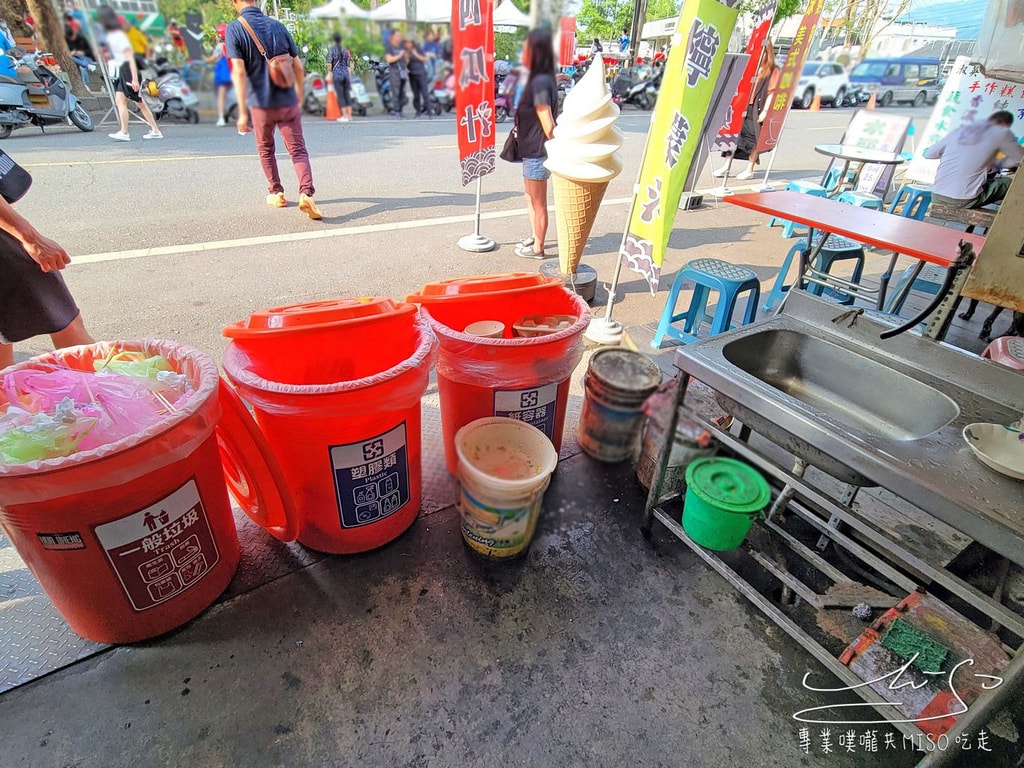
51 412
132 538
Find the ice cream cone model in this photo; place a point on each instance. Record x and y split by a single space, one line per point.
583 157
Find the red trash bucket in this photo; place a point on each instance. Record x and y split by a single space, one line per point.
349 449
134 538
521 378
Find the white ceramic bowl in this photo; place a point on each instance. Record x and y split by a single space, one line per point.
998 447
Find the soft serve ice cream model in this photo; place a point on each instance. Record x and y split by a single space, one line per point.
583 157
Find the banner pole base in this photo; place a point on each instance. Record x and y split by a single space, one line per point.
722 191
477 243
604 331
767 186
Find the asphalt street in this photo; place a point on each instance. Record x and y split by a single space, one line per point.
172 238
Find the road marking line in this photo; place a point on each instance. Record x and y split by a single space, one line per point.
292 237
445 146
125 161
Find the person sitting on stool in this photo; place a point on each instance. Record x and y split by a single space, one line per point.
965 156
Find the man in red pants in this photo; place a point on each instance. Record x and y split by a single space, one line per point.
271 108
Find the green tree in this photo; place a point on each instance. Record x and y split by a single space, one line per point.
607 18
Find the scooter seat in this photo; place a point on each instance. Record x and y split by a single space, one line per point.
11 80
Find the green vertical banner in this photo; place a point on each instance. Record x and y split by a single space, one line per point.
693 66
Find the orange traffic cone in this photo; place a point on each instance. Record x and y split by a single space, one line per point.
333 113
873 100
815 104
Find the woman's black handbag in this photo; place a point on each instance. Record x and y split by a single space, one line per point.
510 152
14 180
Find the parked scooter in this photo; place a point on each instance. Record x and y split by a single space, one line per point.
358 95
167 94
314 94
641 93
854 96
383 81
504 101
444 88
46 101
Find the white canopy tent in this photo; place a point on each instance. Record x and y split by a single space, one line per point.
507 15
339 9
427 12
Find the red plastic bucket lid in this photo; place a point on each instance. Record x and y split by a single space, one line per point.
315 316
479 286
251 472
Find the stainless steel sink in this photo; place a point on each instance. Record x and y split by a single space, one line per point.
823 385
837 382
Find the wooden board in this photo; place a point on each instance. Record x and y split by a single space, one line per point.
998 275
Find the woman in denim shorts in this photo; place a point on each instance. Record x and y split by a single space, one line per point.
535 119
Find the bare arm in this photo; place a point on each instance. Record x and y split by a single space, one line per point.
547 121
49 255
238 79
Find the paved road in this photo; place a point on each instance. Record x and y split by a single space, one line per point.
172 238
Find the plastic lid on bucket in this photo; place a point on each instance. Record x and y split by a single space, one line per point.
314 316
251 472
728 485
478 286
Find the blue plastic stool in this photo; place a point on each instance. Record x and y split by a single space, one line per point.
915 200
836 249
929 281
728 279
804 187
861 199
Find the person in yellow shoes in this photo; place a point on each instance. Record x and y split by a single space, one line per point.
253 41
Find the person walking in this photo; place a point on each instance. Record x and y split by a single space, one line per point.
271 107
418 83
34 300
967 156
339 64
535 124
124 72
221 73
398 71
765 83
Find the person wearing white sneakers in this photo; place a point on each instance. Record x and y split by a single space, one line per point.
124 71
221 73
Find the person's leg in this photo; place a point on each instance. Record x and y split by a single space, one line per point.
414 86
72 336
290 123
537 194
346 98
147 115
396 94
266 149
425 90
6 355
121 101
993 191
222 97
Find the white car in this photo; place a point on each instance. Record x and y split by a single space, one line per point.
821 78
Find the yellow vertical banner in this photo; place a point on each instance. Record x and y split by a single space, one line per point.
687 88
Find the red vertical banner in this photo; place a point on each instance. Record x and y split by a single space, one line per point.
567 42
473 42
729 134
771 128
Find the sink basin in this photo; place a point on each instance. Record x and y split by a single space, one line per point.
842 385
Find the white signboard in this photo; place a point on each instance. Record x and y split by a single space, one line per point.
968 96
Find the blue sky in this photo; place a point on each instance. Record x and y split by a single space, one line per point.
965 15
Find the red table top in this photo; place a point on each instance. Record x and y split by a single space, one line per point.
917 239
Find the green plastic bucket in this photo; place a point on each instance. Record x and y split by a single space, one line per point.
723 497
